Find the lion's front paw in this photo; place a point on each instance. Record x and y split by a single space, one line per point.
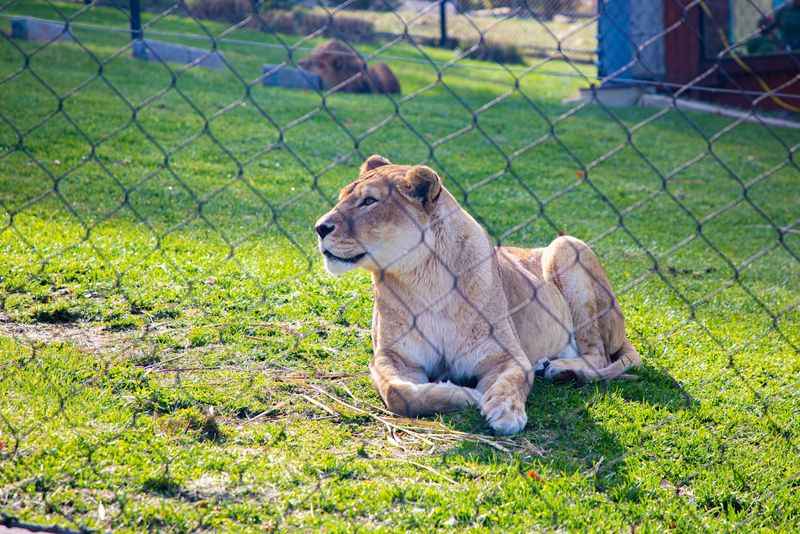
505 415
475 395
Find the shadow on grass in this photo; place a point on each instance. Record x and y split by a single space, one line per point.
568 423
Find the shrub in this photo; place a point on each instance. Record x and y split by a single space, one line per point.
371 5
225 10
231 10
543 8
500 53
470 5
278 22
303 22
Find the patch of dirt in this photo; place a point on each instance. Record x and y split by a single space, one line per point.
88 338
209 485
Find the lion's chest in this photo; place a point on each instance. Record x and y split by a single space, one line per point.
444 347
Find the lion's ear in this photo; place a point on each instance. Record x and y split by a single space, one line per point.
373 162
423 184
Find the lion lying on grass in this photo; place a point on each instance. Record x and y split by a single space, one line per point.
458 321
342 69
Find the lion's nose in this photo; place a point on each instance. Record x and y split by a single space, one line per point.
324 229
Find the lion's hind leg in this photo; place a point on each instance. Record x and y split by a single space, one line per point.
603 351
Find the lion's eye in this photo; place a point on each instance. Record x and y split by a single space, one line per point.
368 201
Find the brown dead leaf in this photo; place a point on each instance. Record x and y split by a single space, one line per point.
535 476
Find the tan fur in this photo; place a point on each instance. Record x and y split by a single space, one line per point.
341 69
458 321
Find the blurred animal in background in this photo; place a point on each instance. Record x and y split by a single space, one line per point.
342 69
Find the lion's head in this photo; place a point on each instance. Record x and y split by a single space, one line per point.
338 66
381 218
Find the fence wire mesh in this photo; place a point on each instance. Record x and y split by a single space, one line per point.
174 357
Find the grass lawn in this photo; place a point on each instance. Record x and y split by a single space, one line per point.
173 357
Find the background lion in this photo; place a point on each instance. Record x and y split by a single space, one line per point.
458 321
341 68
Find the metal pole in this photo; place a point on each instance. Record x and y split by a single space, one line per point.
442 23
136 20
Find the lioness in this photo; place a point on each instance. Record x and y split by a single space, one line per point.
458 321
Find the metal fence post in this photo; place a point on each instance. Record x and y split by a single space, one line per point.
443 23
136 20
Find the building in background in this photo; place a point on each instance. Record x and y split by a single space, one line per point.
734 52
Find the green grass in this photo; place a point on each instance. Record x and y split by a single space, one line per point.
177 348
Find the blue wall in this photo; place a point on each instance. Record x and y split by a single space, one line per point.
630 41
614 48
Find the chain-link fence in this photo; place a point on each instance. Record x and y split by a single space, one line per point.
174 357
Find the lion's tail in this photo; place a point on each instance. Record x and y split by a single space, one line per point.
625 358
